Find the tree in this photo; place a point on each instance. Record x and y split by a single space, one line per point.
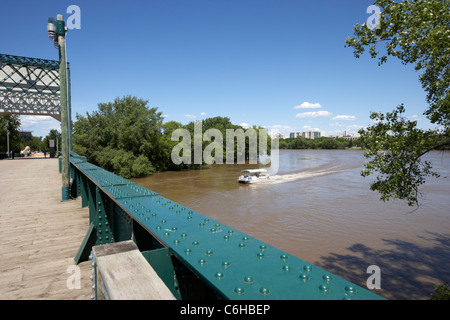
35 143
167 145
52 135
400 165
441 292
223 124
416 32
122 136
9 123
318 143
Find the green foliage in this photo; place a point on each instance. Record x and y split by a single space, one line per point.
441 292
217 140
167 145
9 123
319 143
12 123
416 32
35 143
122 136
124 163
223 124
52 135
395 146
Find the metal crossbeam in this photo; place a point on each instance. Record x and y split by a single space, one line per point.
26 61
27 103
29 86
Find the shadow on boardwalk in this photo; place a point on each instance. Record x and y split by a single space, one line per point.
408 271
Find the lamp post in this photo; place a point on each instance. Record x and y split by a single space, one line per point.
57 32
7 141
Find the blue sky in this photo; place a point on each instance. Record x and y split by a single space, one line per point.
281 64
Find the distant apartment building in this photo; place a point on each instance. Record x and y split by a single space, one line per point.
352 137
347 136
311 134
305 134
27 135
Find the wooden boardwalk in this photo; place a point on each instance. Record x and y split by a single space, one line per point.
39 234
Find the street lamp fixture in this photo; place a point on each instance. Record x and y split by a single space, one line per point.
51 29
56 28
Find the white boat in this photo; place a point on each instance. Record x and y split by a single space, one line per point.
252 175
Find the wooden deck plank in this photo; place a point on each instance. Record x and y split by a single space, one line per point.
39 234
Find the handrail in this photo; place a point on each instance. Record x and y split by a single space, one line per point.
197 257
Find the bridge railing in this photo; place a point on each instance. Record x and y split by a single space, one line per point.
197 257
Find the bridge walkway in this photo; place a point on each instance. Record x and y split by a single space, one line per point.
39 234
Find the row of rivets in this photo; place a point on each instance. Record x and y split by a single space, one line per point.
93 276
263 291
148 211
324 288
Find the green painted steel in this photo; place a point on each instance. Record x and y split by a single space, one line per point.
29 86
64 110
229 263
29 62
161 262
88 242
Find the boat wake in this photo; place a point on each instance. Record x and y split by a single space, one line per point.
290 177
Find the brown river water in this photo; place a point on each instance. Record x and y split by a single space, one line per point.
319 208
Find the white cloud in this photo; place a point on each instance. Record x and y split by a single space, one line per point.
314 114
344 118
350 129
309 128
280 127
203 113
414 117
245 125
308 105
347 127
29 121
190 116
355 127
40 126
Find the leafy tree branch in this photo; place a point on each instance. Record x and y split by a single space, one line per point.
415 32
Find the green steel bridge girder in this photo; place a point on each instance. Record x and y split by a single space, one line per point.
29 86
192 252
28 62
25 74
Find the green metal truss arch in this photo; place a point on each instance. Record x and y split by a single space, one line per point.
29 86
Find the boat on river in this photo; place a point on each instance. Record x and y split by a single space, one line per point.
252 175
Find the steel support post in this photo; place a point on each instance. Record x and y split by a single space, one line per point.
64 116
